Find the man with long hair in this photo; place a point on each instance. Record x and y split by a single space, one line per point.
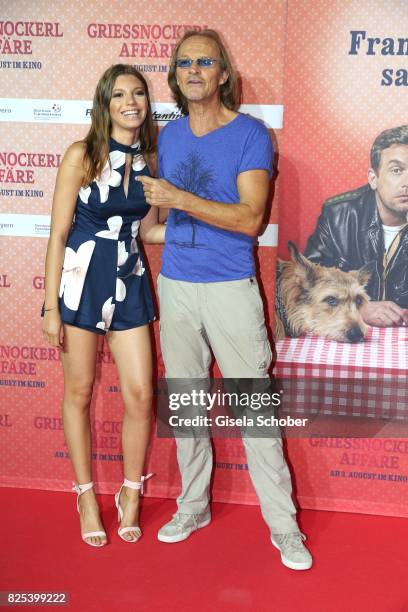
215 166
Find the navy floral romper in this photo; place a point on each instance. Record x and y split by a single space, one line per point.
104 285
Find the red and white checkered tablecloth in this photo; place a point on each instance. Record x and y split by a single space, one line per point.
364 379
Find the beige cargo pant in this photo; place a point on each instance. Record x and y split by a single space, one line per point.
229 317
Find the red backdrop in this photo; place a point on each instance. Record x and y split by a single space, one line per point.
288 53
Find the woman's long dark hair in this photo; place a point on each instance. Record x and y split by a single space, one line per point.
97 139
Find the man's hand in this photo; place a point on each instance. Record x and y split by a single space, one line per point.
161 193
244 216
383 314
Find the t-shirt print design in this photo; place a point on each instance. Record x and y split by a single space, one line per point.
191 175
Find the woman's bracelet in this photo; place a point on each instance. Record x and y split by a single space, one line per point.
47 309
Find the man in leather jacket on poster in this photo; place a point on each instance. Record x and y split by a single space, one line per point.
368 227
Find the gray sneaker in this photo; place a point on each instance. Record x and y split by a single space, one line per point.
182 526
293 552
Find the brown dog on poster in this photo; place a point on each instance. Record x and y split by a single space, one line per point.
319 300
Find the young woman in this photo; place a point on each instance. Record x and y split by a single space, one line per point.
98 209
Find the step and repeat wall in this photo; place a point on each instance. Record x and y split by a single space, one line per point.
310 62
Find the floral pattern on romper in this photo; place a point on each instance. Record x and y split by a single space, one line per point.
104 285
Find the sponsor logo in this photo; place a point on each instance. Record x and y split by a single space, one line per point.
42 229
24 225
80 111
6 226
164 115
48 113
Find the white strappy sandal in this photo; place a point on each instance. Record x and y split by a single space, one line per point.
80 489
136 486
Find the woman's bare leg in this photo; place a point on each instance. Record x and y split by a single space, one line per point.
79 362
131 350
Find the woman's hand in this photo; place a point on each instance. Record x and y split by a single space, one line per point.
53 329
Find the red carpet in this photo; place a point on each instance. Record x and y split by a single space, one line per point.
361 561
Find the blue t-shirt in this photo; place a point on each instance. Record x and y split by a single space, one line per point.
208 166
